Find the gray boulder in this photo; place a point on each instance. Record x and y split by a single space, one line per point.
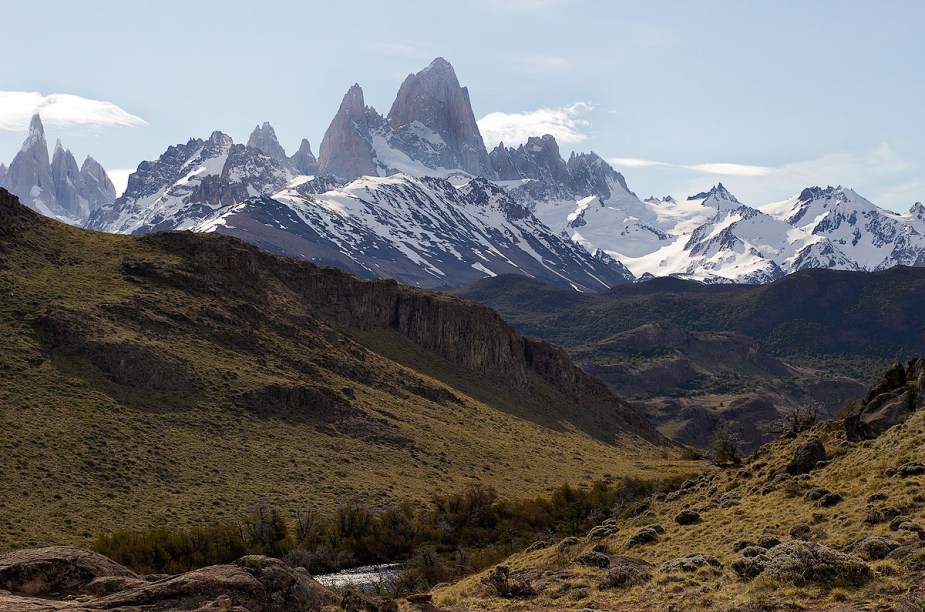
690 563
806 456
56 569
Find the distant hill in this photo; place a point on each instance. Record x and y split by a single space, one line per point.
179 378
705 355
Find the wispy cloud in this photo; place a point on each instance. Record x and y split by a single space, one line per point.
564 123
61 110
635 162
865 171
726 169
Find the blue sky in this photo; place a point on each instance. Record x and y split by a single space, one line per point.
767 97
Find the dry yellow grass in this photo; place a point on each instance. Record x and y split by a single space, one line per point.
856 472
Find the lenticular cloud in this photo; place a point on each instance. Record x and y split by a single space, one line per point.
61 110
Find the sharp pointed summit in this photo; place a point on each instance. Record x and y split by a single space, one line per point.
303 160
433 122
346 149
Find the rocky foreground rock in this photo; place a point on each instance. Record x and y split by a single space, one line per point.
67 578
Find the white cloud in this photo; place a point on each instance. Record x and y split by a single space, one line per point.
119 178
726 169
634 162
61 110
514 128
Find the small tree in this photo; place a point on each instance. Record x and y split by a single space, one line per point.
725 447
795 420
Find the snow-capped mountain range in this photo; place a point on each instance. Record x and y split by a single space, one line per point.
415 196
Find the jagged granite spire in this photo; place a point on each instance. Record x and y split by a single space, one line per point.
346 149
303 160
538 159
95 186
3 172
432 121
264 138
65 176
29 175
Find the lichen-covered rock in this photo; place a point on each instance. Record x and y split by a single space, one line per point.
800 531
602 531
888 402
875 547
626 572
690 563
742 545
830 499
753 551
802 563
566 543
55 569
539 545
768 541
593 559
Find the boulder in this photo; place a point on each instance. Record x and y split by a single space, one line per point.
913 468
800 531
868 420
806 456
687 517
255 583
56 569
768 541
875 547
566 543
643 536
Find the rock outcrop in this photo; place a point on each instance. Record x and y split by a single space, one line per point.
55 569
29 176
889 401
264 139
95 185
806 456
253 583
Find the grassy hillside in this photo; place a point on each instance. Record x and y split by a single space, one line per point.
860 490
181 379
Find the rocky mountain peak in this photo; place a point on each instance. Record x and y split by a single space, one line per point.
432 121
95 185
346 149
303 160
264 138
65 177
3 172
36 133
591 175
917 210
221 139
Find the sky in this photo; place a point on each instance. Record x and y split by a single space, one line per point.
767 97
